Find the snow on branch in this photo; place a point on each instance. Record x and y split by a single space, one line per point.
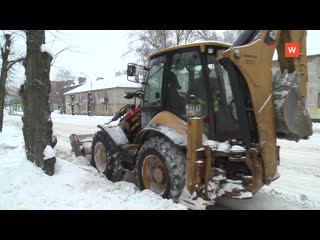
46 48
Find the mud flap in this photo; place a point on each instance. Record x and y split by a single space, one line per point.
291 117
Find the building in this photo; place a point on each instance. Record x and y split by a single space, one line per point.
313 89
56 94
13 104
107 96
58 88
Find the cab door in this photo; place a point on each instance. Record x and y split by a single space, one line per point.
153 99
185 77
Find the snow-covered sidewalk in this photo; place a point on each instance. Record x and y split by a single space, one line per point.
75 185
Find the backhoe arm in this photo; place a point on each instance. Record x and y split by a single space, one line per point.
278 102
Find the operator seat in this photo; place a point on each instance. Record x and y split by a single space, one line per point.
175 102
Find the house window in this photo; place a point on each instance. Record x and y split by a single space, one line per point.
318 100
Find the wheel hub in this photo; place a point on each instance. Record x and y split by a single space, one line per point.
158 175
100 157
154 174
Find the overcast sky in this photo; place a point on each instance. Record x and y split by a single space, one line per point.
99 53
96 53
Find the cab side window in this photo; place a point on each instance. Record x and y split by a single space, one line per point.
153 87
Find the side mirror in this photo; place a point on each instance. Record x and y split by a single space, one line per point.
134 74
131 71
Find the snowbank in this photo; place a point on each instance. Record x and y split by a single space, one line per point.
24 186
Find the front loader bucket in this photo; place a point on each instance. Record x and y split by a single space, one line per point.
291 117
81 144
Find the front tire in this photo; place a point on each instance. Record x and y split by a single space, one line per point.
161 168
103 159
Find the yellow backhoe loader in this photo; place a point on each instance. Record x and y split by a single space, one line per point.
208 119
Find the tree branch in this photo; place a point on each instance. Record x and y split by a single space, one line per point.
11 63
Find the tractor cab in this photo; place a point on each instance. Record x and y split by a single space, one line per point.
175 74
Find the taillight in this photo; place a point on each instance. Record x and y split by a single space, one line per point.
201 169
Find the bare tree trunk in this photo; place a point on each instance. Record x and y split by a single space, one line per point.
63 104
4 74
37 124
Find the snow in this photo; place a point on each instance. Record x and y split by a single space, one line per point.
316 127
4 32
75 185
117 134
12 112
48 153
192 202
218 178
229 187
46 48
218 146
237 148
243 195
176 137
119 81
223 147
211 42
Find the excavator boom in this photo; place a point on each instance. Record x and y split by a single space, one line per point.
252 54
278 102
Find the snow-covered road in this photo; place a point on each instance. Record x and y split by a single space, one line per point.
297 188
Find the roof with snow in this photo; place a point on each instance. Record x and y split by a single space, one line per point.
120 81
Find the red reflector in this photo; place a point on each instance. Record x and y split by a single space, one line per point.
206 119
201 169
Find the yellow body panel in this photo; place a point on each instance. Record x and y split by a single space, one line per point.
202 46
194 142
170 120
255 66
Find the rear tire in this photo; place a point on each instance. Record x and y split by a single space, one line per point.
160 167
105 161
